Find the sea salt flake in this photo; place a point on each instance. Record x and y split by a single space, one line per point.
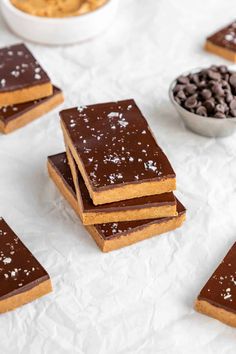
3 82
123 123
15 73
7 260
229 37
37 76
150 165
81 108
113 115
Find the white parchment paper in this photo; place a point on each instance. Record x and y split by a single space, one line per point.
138 300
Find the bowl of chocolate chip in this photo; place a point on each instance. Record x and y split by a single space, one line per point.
206 100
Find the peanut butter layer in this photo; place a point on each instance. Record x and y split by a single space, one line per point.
116 152
17 115
218 297
113 236
20 272
152 206
22 78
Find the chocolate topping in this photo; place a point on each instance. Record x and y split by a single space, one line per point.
220 289
60 164
8 113
19 269
19 69
115 144
225 38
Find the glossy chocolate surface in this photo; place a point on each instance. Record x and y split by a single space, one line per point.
19 69
60 164
8 113
225 38
115 144
220 289
19 269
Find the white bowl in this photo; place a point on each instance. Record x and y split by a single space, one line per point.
206 126
58 31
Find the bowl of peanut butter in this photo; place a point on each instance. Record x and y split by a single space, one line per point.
58 22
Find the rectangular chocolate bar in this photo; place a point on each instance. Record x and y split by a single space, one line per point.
112 236
116 152
223 42
22 278
22 79
217 299
18 115
155 206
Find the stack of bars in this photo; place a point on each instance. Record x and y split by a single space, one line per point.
114 175
26 91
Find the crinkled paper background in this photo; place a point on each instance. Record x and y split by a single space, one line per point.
138 300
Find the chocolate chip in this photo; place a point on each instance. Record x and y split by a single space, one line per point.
183 80
190 88
214 75
209 105
181 95
225 84
220 99
191 102
229 97
202 111
219 115
217 89
220 108
195 79
177 100
178 87
233 112
226 77
232 80
202 84
214 68
206 94
223 69
233 104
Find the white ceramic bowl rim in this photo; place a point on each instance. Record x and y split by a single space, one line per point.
23 14
193 71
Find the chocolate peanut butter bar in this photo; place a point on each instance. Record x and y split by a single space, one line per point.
22 278
155 206
223 42
18 115
112 236
115 151
217 299
22 79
